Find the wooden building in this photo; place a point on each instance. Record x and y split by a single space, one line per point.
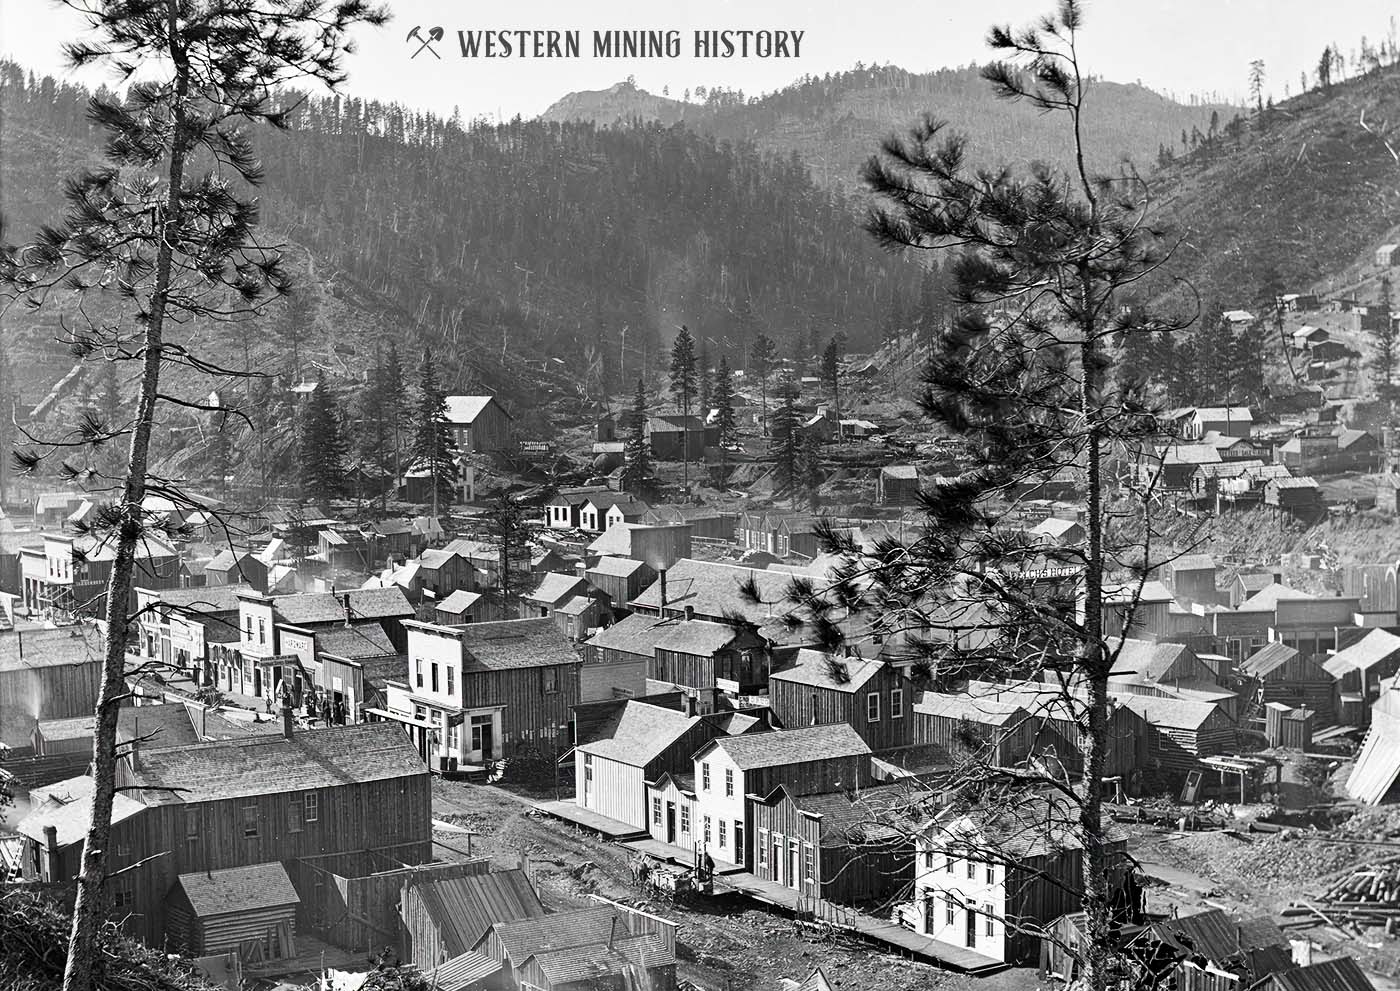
871 696
845 847
673 795
583 949
998 733
1211 951
1278 673
1359 671
621 579
989 879
226 910
443 918
481 691
808 761
229 567
46 674
479 424
357 794
637 745
1179 731
1287 727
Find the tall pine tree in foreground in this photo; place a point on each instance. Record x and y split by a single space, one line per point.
636 470
434 450
1049 273
683 386
165 226
322 446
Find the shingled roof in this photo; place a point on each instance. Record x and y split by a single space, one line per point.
204 600
793 746
363 640
327 607
819 669
639 733
71 819
50 648
234 890
558 931
598 961
272 764
515 643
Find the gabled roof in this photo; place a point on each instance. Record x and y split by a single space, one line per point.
1216 936
1191 562
1234 414
791 746
353 643
1374 648
985 711
435 559
50 648
465 908
235 890
576 606
693 636
71 819
633 634
603 501
1268 598
312 609
463 971
272 764
458 602
1166 712
713 590
1190 454
905 472
596 962
852 816
558 931
555 587
1147 658
515 643
616 567
639 733
1267 658
1341 974
465 409
202 601
819 669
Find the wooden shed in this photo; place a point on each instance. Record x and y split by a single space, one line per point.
235 909
1181 731
1279 673
1288 727
871 696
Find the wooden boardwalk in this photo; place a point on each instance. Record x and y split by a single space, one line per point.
612 829
886 934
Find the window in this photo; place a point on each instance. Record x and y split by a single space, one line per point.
896 703
872 707
434 669
451 671
928 860
949 916
991 874
707 830
971 870
685 818
705 776
991 926
191 826
250 820
551 679
312 801
262 630
762 851
418 672
248 628
656 810
729 782
420 712
723 834
948 861
123 898
809 862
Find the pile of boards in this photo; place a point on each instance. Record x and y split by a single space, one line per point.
1370 894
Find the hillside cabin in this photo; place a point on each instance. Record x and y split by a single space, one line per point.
479 424
897 485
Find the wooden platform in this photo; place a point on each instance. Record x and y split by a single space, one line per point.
572 812
672 854
313 957
882 932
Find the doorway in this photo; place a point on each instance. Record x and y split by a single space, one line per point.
671 822
971 924
483 739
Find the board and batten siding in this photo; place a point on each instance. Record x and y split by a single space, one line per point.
672 796
534 712
620 679
797 705
616 790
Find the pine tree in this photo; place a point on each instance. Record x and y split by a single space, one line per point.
1385 342
705 383
762 353
636 471
321 445
724 404
396 407
434 450
831 374
683 389
166 226
785 440
9 414
807 471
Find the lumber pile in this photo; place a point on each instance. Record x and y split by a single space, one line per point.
1369 895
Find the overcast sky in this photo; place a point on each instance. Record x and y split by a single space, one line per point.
1176 46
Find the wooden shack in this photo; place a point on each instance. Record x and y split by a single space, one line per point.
873 697
1359 670
1001 733
1279 673
1180 732
1288 727
226 910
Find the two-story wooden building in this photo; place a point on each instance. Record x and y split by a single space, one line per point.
480 691
871 696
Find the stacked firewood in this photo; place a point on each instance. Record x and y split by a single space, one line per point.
1370 894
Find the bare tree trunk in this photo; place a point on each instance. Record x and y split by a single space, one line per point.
89 909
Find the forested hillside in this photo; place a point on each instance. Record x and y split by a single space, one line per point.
519 251
834 122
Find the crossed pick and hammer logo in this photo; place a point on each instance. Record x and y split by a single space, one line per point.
434 34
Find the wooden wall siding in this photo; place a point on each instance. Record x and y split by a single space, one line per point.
1006 745
1040 890
1321 696
222 933
618 790
59 691
662 978
362 913
393 817
700 671
1179 749
671 795
812 777
532 715
798 705
1190 977
1129 745
783 818
598 682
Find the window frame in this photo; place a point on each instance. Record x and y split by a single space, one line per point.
896 703
872 707
729 782
656 810
248 817
311 806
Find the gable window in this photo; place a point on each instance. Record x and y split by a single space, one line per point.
896 703
312 802
872 707
250 820
705 776
729 782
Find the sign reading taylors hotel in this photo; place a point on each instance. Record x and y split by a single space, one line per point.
544 43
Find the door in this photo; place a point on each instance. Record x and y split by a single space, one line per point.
670 822
778 858
794 865
739 842
930 906
971 923
482 738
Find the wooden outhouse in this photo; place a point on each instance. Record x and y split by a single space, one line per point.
226 910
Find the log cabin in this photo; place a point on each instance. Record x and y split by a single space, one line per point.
871 696
1214 952
1179 731
1278 673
